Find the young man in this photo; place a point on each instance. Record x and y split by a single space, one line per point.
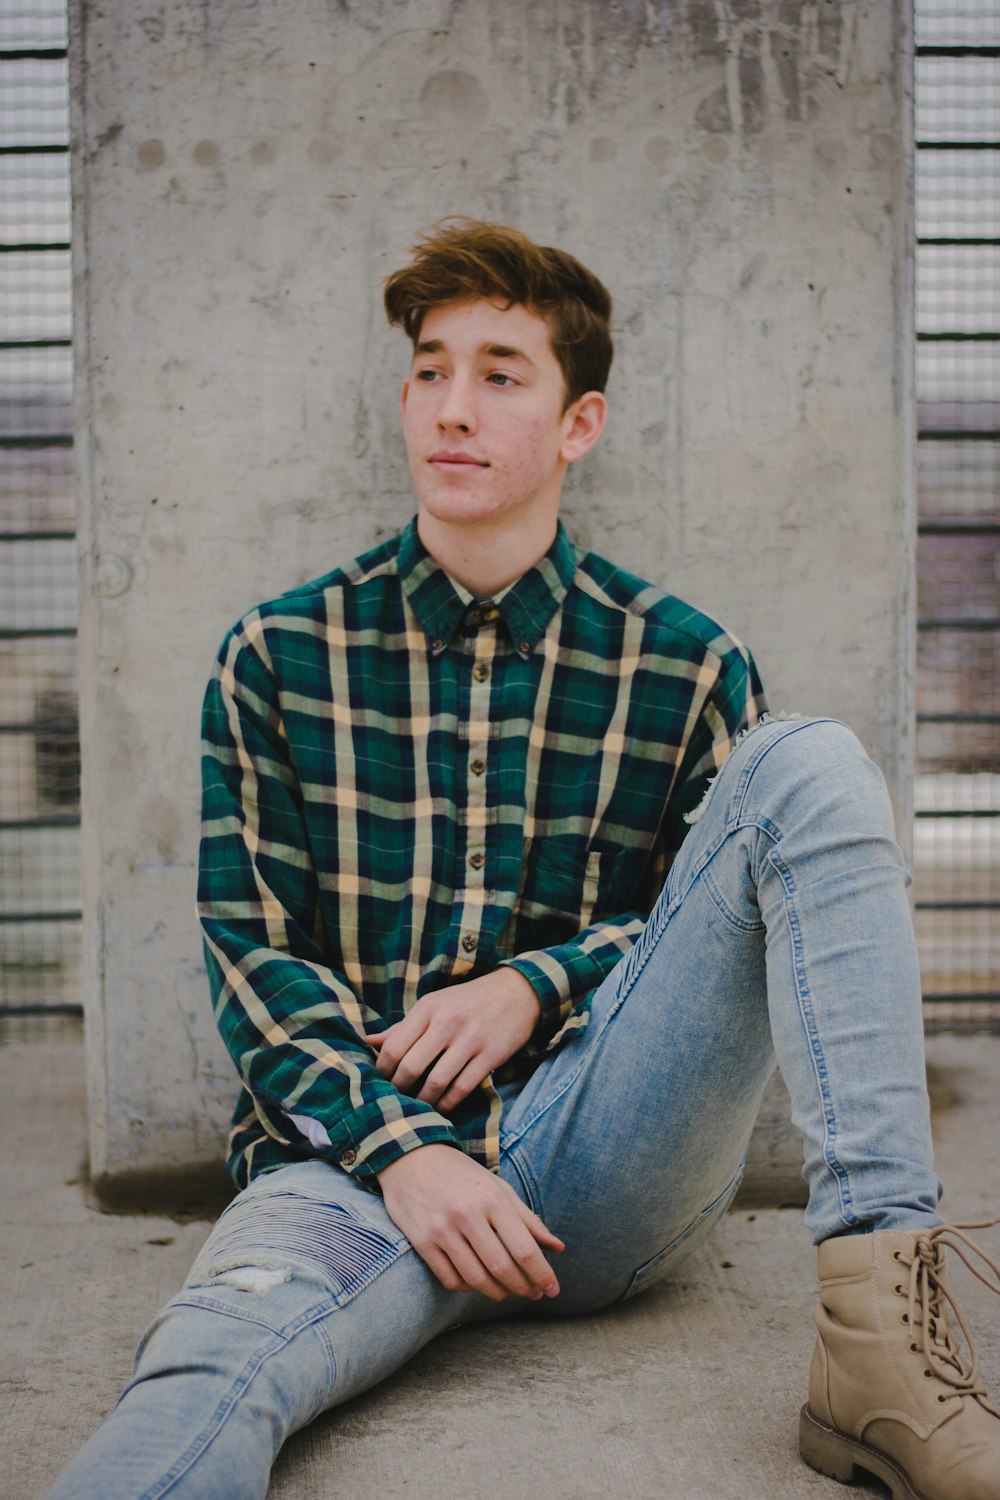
504 980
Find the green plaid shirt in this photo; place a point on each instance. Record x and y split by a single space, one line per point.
404 788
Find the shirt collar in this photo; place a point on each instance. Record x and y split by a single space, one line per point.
526 606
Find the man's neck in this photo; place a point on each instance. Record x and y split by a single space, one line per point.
485 559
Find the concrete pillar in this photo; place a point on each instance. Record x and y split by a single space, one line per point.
245 174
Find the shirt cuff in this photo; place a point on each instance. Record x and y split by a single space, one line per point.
362 1147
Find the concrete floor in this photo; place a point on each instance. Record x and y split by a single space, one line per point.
692 1391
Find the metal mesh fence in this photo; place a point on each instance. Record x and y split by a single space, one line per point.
39 742
957 834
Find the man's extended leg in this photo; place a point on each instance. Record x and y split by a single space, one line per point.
784 918
304 1295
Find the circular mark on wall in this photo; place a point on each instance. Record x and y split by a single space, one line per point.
458 96
603 148
659 152
112 577
262 153
206 154
150 155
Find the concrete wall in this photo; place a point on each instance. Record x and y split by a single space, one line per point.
247 171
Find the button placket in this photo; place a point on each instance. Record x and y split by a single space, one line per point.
472 898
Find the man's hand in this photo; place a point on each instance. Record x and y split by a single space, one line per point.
470 1227
446 1045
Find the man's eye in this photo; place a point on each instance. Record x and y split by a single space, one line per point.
499 378
426 375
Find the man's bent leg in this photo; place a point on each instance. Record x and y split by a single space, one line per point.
791 870
784 917
304 1295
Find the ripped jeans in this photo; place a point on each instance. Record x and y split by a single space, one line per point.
783 929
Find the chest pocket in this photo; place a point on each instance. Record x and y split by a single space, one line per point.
566 886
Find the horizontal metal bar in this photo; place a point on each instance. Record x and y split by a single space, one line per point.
959 526
957 812
933 49
40 1010
980 718
959 434
982 337
957 905
37 536
37 440
33 247
15 344
12 918
958 145
36 54
44 820
39 633
51 148
943 240
945 624
963 997
67 726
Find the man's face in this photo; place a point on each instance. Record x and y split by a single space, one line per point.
483 417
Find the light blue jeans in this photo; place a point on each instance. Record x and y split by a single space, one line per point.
783 929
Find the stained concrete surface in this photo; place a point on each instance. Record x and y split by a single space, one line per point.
691 1391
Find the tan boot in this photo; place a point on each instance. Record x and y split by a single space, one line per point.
890 1389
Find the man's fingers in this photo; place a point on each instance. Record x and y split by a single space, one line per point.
452 1078
522 1272
444 1268
495 1279
397 1050
542 1234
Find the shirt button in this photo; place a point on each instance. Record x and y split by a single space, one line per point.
469 942
477 860
437 644
478 767
480 671
524 647
349 1157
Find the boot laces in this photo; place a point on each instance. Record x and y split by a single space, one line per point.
928 1302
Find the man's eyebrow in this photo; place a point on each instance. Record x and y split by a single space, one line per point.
506 351
495 351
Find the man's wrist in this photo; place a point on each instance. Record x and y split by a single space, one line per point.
428 1153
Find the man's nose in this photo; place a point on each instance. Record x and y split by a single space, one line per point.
457 406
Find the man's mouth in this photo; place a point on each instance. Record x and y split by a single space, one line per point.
447 458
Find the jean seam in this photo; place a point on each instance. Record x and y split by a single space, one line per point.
788 727
807 1016
234 1394
716 1207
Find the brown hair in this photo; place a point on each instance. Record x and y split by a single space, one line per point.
463 260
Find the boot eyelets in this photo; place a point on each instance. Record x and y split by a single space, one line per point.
899 1289
896 1256
942 1398
914 1348
928 1374
904 1318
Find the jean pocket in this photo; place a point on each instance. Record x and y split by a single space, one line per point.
663 1262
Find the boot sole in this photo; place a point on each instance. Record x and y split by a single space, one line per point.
839 1457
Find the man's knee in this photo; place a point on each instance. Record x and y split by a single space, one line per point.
819 768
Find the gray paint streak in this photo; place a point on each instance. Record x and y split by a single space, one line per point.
245 174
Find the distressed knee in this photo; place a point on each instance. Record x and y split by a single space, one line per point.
260 1243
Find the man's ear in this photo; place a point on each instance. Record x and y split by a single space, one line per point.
403 395
584 422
